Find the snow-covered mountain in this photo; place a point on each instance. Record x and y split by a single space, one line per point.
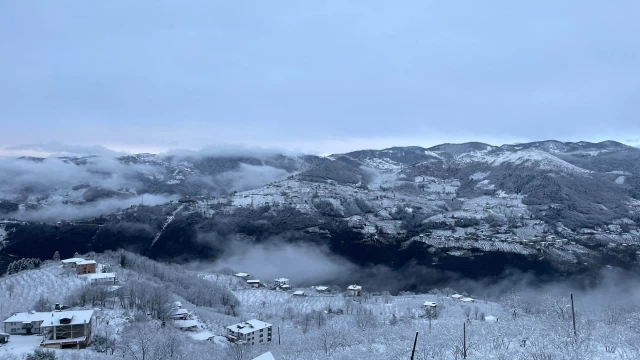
470 208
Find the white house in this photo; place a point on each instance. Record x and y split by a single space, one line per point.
322 289
457 296
281 282
67 329
250 332
354 290
102 278
467 299
242 275
179 314
186 325
254 283
25 323
299 293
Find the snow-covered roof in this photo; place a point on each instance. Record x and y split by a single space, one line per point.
72 260
266 356
97 276
254 281
322 288
467 299
298 292
185 323
76 317
241 275
354 287
86 262
429 303
28 317
4 334
249 326
202 336
285 286
282 280
490 318
457 296
179 311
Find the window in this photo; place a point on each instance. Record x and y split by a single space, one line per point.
261 335
260 340
261 330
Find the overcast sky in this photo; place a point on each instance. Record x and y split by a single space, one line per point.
317 76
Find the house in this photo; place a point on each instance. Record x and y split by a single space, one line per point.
4 338
102 278
322 289
430 308
71 263
254 283
250 332
203 336
186 325
490 318
457 296
299 293
25 323
354 290
177 305
266 356
67 329
179 314
86 267
242 275
467 299
281 282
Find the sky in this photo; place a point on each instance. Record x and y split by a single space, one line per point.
315 76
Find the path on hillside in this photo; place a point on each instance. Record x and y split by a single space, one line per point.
169 220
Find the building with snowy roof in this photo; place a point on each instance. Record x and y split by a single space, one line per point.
4 338
71 262
186 325
322 289
354 290
250 332
25 323
67 329
254 282
242 275
179 314
102 278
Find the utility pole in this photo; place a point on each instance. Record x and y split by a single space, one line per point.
278 335
573 314
415 342
464 340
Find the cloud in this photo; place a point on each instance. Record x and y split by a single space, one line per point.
249 177
55 148
58 212
229 150
23 177
302 263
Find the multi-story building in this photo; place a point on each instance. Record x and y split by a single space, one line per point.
250 332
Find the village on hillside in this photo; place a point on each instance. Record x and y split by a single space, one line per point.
69 327
100 305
